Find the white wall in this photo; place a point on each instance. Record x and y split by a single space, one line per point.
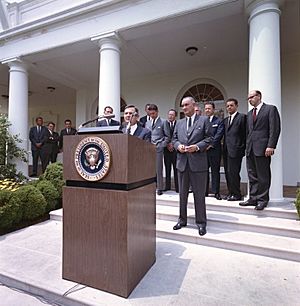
56 107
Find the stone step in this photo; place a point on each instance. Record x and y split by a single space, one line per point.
285 209
242 241
236 221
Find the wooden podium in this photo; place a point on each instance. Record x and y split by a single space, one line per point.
109 226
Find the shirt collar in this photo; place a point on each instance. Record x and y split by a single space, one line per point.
133 128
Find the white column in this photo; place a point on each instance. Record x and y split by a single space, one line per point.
81 107
264 70
109 73
18 106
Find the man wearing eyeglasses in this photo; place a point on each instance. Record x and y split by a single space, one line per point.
263 130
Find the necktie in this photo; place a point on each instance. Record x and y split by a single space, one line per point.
254 114
153 122
229 120
128 131
189 122
39 129
68 131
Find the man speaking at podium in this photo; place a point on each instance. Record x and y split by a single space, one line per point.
132 126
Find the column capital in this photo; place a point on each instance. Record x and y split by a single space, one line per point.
112 40
257 7
16 63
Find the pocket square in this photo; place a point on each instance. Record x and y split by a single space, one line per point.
215 125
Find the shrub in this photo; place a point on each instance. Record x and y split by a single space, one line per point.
50 194
54 174
297 202
33 203
9 151
10 211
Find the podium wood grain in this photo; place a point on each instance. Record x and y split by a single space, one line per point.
109 236
133 159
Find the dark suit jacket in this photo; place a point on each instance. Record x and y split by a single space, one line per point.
140 132
50 142
36 137
234 143
103 122
264 132
159 134
200 134
63 133
143 120
218 132
169 130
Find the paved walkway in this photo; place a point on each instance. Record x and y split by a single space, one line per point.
184 274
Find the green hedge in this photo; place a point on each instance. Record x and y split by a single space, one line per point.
10 211
54 174
50 194
33 203
297 202
21 204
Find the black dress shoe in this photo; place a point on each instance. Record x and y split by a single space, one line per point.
234 198
33 175
227 197
261 206
159 192
247 203
167 189
178 226
217 196
202 230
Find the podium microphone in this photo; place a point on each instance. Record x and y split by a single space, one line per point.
95 119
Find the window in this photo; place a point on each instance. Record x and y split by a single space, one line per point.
206 93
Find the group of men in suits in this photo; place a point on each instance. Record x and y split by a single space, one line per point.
195 136
46 143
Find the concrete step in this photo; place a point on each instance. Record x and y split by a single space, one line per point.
236 221
285 209
242 241
272 232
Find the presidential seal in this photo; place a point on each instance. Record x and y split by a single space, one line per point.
92 158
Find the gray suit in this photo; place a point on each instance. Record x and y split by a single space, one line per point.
192 167
159 137
261 134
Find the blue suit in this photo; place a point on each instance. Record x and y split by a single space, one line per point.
140 132
214 155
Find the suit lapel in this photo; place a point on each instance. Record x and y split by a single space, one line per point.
235 118
138 131
260 113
